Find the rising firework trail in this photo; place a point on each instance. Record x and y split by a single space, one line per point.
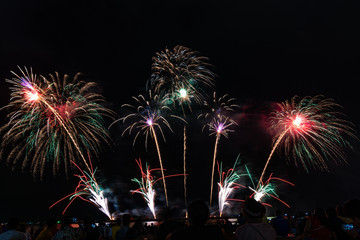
219 125
228 182
183 75
53 119
89 188
310 130
148 119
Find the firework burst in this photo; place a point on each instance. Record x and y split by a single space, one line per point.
220 124
87 190
181 73
148 119
52 120
310 131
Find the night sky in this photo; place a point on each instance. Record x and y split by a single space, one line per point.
262 52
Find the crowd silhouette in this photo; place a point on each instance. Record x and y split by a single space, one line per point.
334 223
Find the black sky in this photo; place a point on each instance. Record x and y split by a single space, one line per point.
262 51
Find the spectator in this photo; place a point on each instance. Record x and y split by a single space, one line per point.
335 225
198 215
38 230
352 211
102 230
300 223
13 231
115 228
135 232
121 233
317 226
280 224
66 232
49 231
254 228
168 226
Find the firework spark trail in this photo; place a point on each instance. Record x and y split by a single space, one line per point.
146 185
55 116
87 186
181 68
161 165
271 153
147 117
310 130
266 189
182 74
220 125
227 183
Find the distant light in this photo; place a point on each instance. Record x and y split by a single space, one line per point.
258 196
32 96
183 93
220 128
298 121
149 122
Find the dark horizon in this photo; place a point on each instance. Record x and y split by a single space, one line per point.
262 52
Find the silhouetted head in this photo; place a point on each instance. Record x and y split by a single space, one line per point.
126 219
198 212
13 224
253 209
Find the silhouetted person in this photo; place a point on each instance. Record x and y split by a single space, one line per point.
198 213
115 228
168 226
13 231
335 225
280 224
317 226
121 233
352 212
254 228
66 232
49 231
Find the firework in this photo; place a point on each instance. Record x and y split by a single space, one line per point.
227 183
146 187
183 75
148 120
53 120
87 190
219 125
146 184
310 130
268 189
